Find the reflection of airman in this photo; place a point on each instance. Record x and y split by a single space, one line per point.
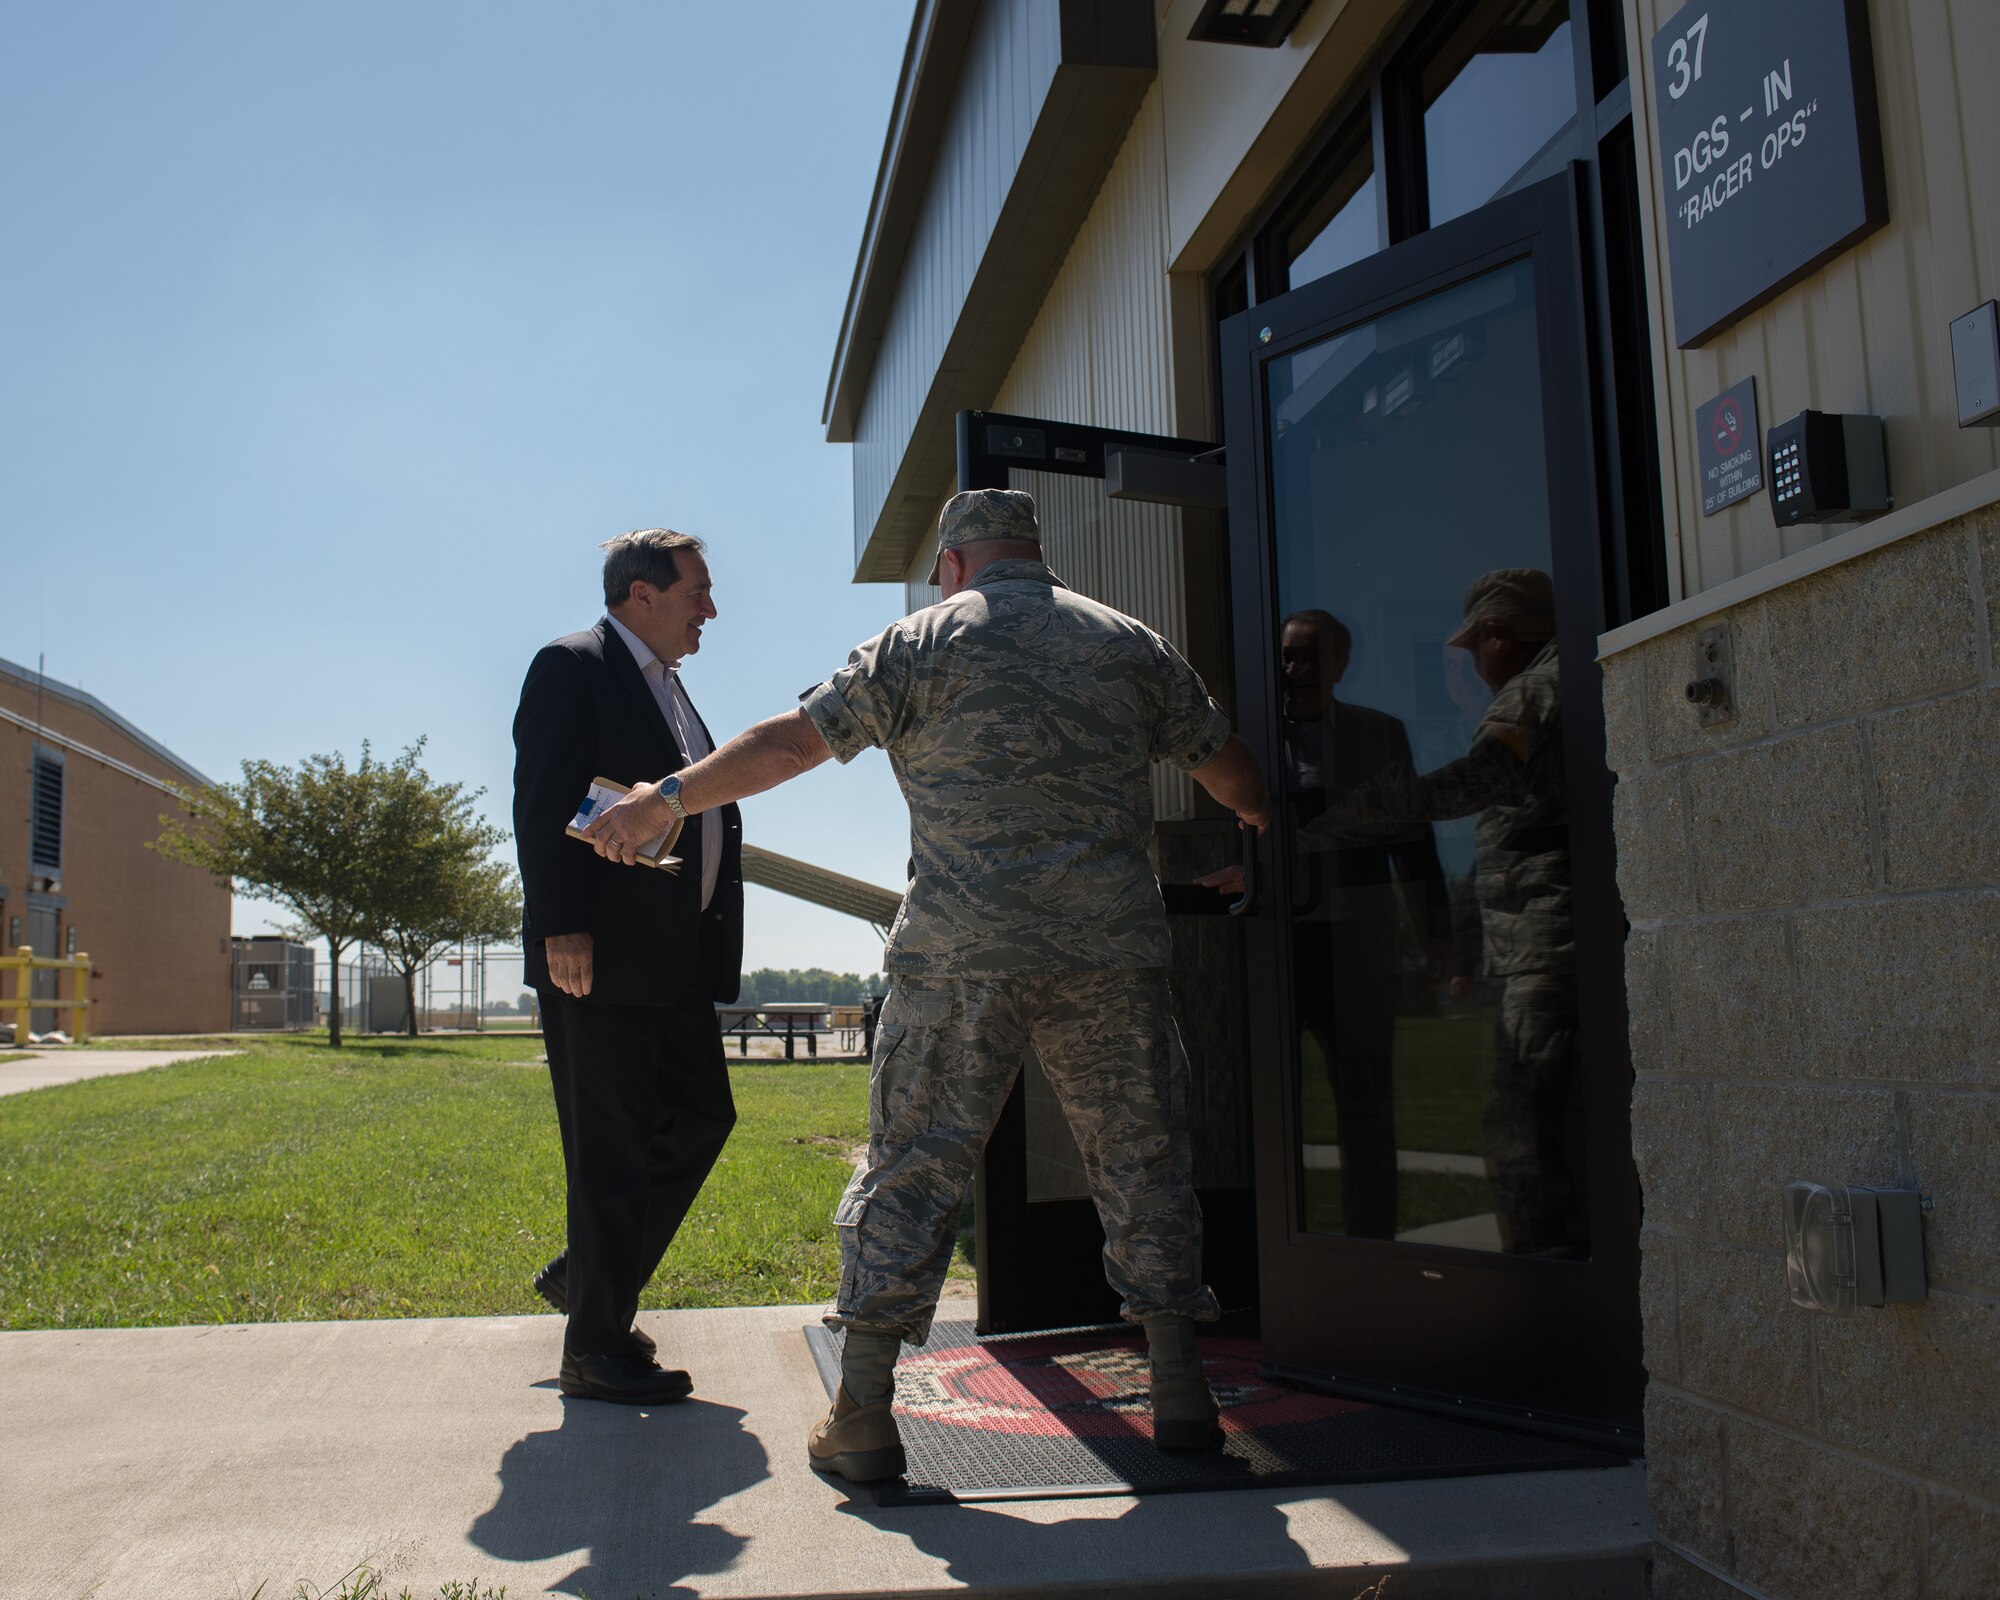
1348 909
1512 777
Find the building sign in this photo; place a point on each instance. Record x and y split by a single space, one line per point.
1732 451
1770 149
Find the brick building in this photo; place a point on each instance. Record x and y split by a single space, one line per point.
81 795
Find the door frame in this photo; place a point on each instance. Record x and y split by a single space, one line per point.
1551 1344
1041 1262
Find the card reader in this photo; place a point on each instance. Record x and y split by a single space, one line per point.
1827 467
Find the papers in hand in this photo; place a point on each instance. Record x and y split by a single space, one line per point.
653 853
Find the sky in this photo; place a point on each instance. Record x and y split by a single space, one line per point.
337 336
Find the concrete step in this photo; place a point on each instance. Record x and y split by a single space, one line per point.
206 1461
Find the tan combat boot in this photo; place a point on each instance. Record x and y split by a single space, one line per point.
858 1440
859 1443
1185 1415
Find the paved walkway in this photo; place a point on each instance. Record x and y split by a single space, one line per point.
203 1462
72 1065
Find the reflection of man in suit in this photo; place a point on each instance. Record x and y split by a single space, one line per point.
1348 909
627 964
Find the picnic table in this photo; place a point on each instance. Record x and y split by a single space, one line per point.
793 1020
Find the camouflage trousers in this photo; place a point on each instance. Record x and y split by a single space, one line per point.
1533 1116
947 1052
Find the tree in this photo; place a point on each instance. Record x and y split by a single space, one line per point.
767 986
452 901
433 885
309 838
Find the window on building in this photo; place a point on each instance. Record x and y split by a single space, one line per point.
1336 218
1499 103
1471 100
45 823
1607 46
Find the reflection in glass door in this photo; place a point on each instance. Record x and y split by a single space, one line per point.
1430 931
1440 1080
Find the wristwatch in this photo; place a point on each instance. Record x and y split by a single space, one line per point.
670 791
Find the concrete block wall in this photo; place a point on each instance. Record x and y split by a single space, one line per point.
1814 977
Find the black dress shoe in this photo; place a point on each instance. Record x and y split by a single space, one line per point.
626 1380
552 1284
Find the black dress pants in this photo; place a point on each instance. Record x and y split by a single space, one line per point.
642 1098
1348 975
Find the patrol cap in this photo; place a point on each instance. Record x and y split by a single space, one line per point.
975 514
1520 597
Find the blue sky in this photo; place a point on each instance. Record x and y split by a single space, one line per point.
336 336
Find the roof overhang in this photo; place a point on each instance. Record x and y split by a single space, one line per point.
1080 68
939 33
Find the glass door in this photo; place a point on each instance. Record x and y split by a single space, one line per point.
1444 1171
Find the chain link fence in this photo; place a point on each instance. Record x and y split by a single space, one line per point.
281 985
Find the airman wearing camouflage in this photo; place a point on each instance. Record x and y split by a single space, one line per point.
1021 720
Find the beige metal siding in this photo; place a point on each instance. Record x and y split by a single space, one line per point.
1870 331
1100 349
918 592
1100 352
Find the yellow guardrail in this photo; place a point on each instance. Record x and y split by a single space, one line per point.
24 962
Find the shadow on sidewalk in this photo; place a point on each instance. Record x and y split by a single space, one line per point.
624 1485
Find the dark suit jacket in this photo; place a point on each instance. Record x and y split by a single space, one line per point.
1364 744
586 712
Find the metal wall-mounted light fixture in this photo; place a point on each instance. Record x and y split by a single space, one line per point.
1853 1245
1258 22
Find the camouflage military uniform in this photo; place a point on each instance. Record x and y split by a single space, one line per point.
1513 778
1523 882
1021 720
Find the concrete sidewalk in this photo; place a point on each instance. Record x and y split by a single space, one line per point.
72 1064
202 1462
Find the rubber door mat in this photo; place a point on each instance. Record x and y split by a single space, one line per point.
1038 1416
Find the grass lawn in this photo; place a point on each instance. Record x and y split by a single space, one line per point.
389 1178
1442 1067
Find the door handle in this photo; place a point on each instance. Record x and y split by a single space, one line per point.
1248 897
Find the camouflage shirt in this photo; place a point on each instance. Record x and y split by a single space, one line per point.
1521 862
1512 777
1021 720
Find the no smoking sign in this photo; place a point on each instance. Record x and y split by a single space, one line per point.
1726 426
1732 463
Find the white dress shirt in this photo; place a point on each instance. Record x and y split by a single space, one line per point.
665 682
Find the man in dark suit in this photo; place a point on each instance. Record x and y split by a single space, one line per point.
627 964
1349 908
